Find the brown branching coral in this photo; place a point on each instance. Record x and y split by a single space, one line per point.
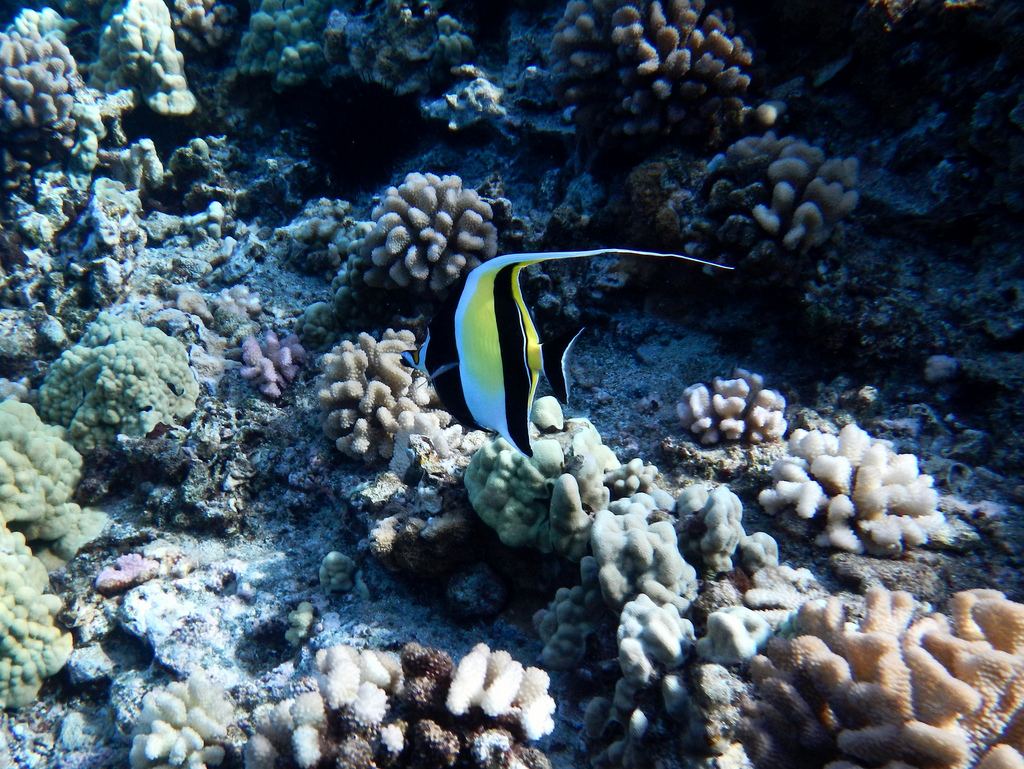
429 231
369 399
651 68
939 692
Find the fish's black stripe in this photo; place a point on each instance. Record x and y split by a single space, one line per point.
514 367
442 351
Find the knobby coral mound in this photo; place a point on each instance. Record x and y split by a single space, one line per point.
429 231
203 24
370 399
137 50
874 499
31 647
38 80
284 41
404 46
800 195
650 67
740 408
933 692
121 377
39 471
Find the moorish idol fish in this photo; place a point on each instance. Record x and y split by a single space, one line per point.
482 351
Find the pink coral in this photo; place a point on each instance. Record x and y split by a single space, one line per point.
274 365
127 572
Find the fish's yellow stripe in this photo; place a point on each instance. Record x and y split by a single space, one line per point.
532 351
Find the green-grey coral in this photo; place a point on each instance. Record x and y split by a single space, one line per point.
122 377
39 471
543 501
31 647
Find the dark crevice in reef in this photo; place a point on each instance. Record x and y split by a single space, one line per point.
354 132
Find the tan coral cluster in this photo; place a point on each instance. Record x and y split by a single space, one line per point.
651 68
137 49
38 79
806 193
429 230
203 24
937 692
733 409
368 397
873 498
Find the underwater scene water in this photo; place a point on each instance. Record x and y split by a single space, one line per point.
283 478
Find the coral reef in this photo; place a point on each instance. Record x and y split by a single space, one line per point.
37 94
934 691
272 366
203 24
368 398
121 378
428 231
369 709
738 409
137 50
31 647
114 241
39 471
284 41
545 501
873 499
183 724
805 194
651 68
406 48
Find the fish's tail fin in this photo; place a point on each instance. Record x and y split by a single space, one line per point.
554 354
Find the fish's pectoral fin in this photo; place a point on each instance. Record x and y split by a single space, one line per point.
554 355
442 370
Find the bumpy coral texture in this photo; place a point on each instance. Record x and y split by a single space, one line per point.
939 692
284 40
38 80
365 390
137 49
121 377
572 616
733 409
802 195
429 231
637 556
710 530
404 46
203 24
272 366
39 471
368 709
650 68
873 499
115 239
184 724
31 648
544 501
